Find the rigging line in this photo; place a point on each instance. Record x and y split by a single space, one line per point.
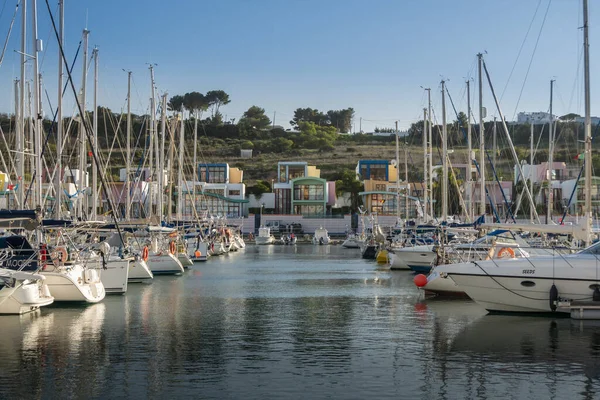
12 22
521 49
537 41
87 128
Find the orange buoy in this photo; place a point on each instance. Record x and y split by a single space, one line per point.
145 253
420 280
506 250
198 254
172 247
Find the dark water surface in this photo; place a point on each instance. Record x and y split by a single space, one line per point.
297 322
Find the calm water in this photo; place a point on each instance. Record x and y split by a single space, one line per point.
283 322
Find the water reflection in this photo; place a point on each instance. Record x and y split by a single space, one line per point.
301 322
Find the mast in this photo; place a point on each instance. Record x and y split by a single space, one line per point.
406 179
180 167
195 165
161 161
444 156
151 167
430 152
59 116
469 156
20 140
82 139
29 144
424 207
494 142
481 140
397 175
550 160
128 152
531 205
588 126
95 138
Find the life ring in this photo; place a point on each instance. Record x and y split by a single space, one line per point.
145 253
504 250
172 247
60 254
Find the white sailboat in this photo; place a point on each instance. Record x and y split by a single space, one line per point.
264 236
22 292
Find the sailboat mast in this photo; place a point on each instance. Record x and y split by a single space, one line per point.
180 167
397 175
424 206
161 163
37 117
95 138
195 165
469 157
21 118
59 116
151 143
588 125
481 139
444 156
430 151
82 139
406 180
128 155
550 160
531 205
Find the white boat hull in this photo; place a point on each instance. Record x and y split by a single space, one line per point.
261 240
164 264
184 259
397 262
74 283
417 256
25 297
198 251
115 276
442 284
523 284
352 243
139 271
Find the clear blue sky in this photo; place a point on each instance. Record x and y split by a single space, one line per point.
326 54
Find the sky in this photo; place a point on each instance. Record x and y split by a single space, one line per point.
375 56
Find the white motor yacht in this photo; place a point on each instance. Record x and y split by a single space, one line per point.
321 236
529 284
264 236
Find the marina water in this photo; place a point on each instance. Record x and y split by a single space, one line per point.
300 321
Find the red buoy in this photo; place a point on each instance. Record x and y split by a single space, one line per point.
420 280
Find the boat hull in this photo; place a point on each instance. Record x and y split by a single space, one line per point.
164 264
24 297
139 272
75 284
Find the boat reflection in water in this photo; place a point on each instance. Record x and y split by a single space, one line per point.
555 356
59 344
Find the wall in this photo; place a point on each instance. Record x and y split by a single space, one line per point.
236 175
313 171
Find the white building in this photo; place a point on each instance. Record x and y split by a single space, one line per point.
535 118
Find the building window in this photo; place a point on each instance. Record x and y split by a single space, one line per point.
283 203
216 174
234 192
203 177
310 210
378 172
309 192
380 187
282 174
295 172
364 172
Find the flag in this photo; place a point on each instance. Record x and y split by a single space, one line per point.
579 156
